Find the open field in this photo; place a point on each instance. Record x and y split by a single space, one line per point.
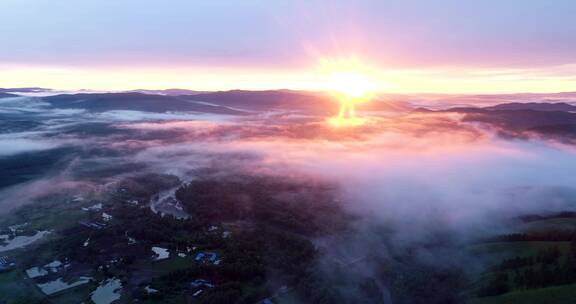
16 288
552 295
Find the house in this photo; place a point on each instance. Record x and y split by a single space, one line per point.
201 283
106 217
92 225
160 253
206 257
95 207
6 263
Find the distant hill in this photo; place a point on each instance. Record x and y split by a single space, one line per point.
520 123
542 117
537 106
521 119
269 100
133 101
24 90
170 92
309 102
560 125
386 105
3 95
235 102
514 119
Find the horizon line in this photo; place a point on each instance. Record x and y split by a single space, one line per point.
64 91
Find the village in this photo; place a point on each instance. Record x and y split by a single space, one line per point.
120 250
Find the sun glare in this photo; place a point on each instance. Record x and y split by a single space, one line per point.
352 83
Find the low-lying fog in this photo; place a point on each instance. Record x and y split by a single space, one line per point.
417 174
414 170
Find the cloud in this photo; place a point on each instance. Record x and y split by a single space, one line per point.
404 170
11 146
410 180
125 115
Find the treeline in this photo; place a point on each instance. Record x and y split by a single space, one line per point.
248 260
99 246
277 220
297 205
549 267
548 256
272 222
553 236
536 217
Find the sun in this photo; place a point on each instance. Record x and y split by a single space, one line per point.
352 83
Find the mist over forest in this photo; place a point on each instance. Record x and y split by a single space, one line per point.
229 197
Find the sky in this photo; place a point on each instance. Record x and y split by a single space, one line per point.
409 46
